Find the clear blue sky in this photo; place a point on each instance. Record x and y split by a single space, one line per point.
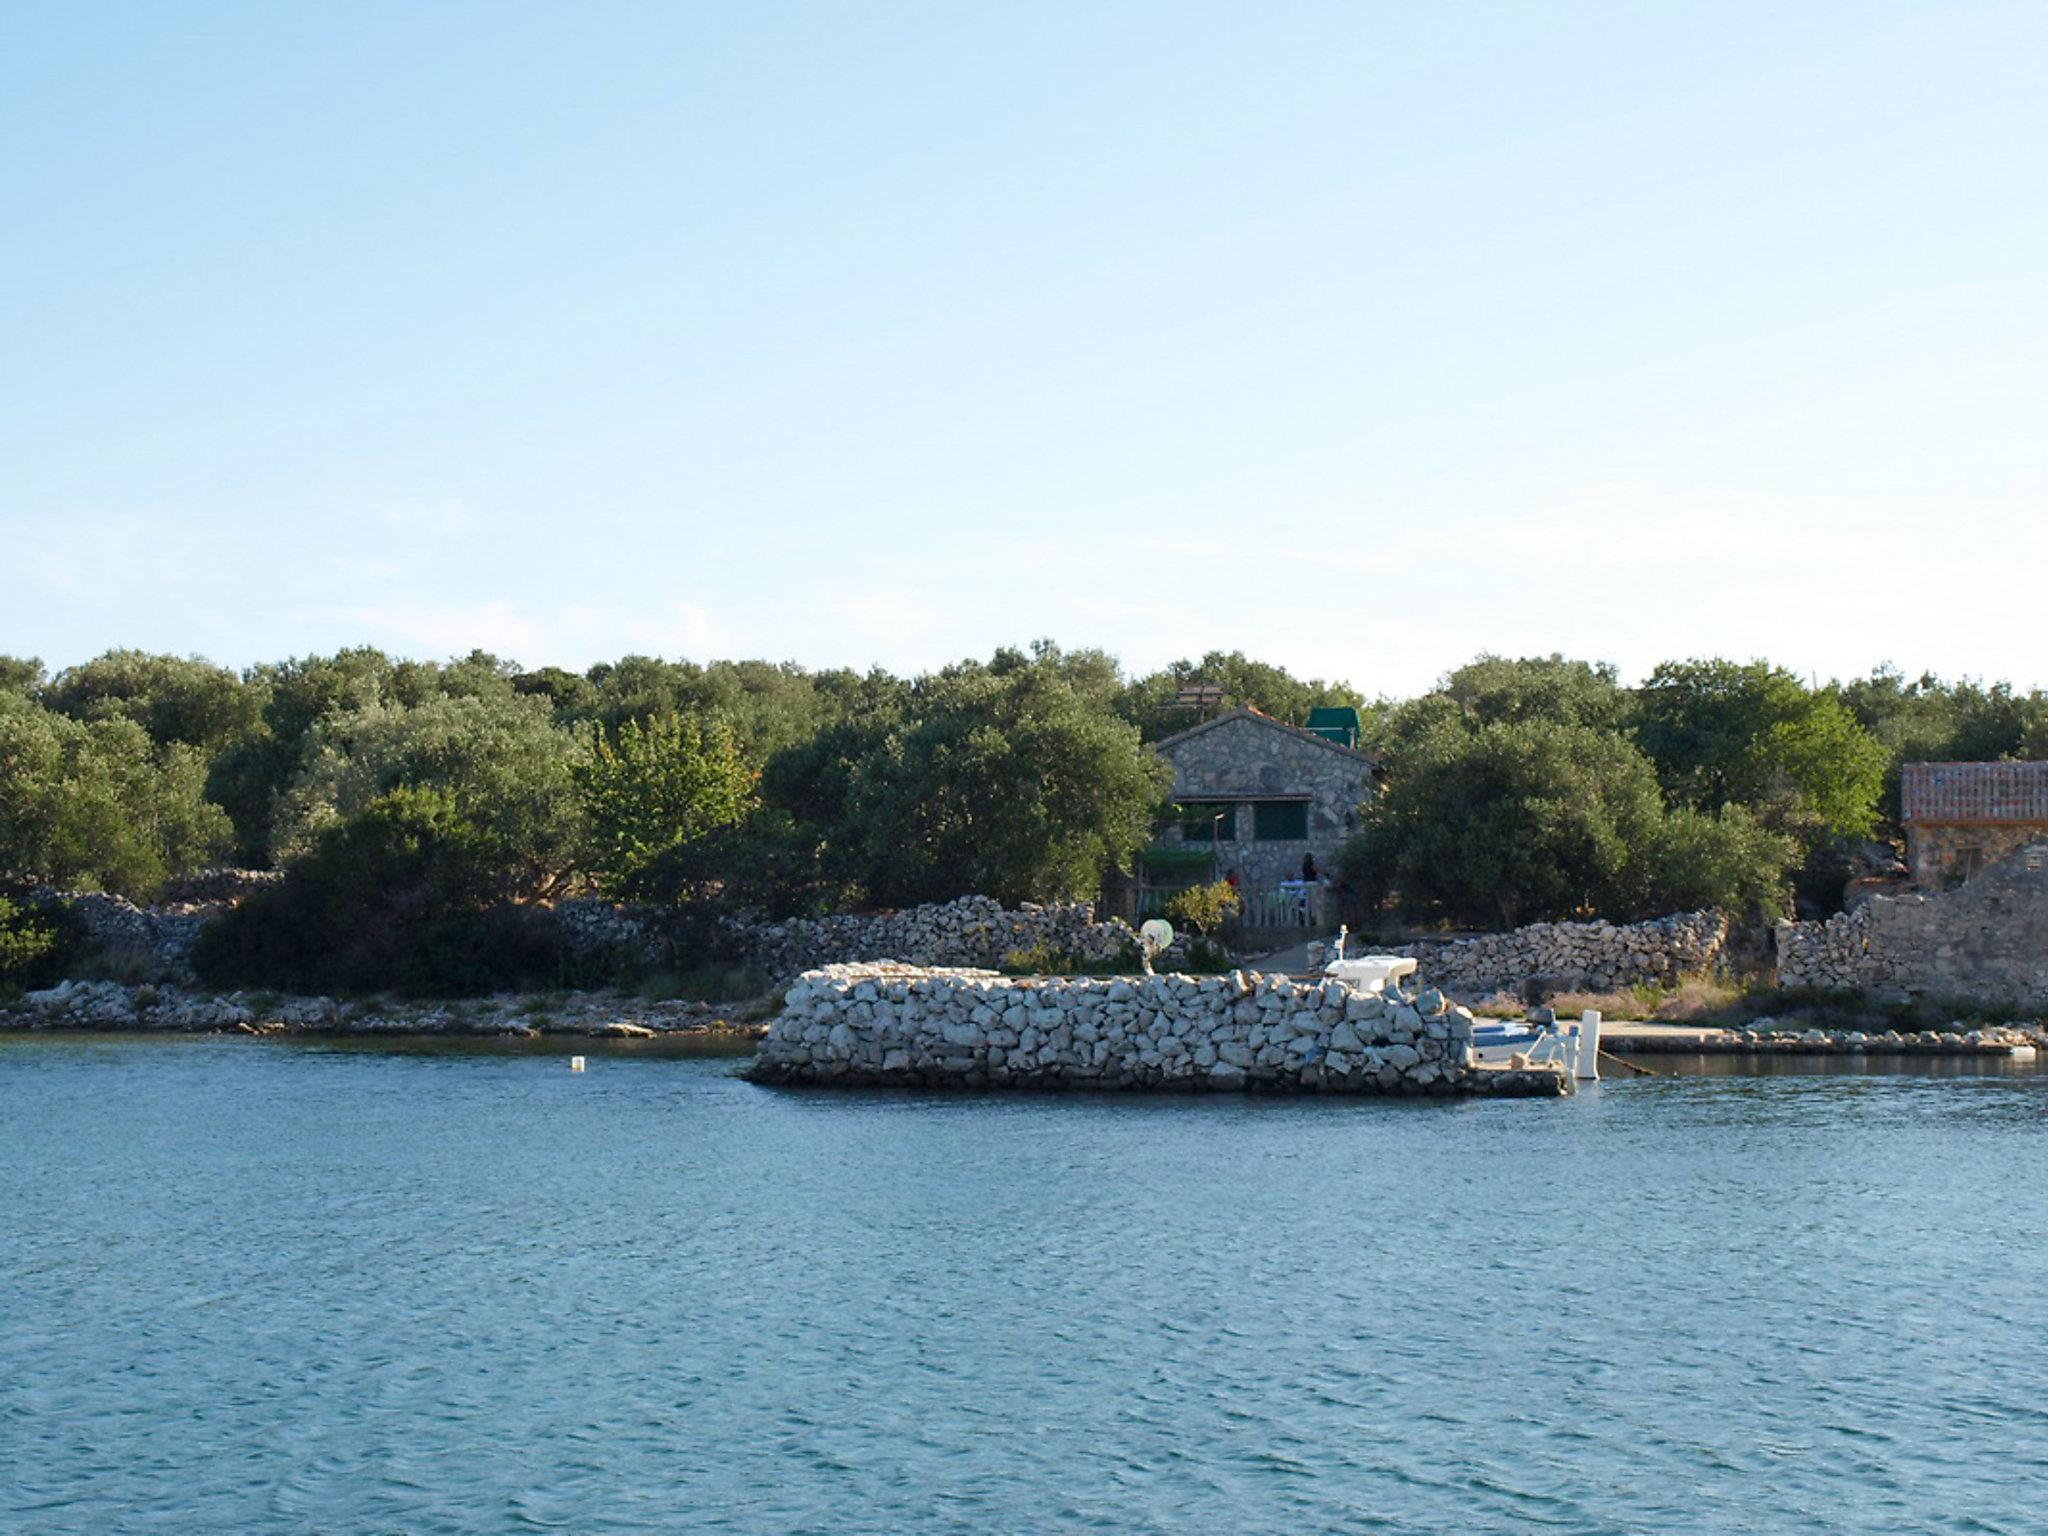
1361 336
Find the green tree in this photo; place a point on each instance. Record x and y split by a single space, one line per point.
1148 703
20 674
411 894
1204 908
1520 821
176 699
1492 690
1722 732
26 941
99 804
510 771
650 787
1002 780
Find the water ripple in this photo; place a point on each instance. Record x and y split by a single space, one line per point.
291 1289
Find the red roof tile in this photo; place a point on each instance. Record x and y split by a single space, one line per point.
1974 792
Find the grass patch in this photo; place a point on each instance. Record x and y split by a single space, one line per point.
703 984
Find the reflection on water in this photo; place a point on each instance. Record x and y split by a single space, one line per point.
453 1287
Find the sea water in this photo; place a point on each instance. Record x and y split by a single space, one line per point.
258 1287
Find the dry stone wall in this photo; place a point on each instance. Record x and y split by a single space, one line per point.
970 931
156 942
906 1026
152 942
1565 956
1985 942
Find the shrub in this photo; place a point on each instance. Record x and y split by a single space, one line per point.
1040 960
411 896
651 788
1207 956
1204 908
39 941
100 804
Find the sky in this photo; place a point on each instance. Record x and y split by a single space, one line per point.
1361 337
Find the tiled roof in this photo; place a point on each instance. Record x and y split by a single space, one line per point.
1246 712
1974 792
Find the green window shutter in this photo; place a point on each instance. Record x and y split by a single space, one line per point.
1280 821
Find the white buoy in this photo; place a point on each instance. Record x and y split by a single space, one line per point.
575 1063
1587 1068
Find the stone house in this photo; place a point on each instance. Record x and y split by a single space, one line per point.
1260 795
1961 817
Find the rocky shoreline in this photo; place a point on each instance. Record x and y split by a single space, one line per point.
168 1009
1994 1040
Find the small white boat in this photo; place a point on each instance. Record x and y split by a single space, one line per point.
1495 1042
1527 1042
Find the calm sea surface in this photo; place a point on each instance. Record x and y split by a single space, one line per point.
254 1287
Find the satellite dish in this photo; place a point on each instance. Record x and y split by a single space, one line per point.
1157 933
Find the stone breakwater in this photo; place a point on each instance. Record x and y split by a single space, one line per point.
909 1026
106 1005
1564 957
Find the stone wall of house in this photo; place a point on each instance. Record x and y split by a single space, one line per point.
1984 942
1941 856
889 1025
1246 756
1563 957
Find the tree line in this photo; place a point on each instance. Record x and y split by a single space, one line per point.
422 808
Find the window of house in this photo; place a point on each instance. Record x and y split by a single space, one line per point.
1280 821
1206 821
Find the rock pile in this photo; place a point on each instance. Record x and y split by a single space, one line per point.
900 1025
631 933
157 941
1565 957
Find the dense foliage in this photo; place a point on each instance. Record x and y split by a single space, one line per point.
1511 821
34 937
418 806
1204 909
99 804
1008 779
410 894
651 788
1542 788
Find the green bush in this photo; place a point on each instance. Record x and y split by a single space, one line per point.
411 897
1204 908
39 941
650 789
99 804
